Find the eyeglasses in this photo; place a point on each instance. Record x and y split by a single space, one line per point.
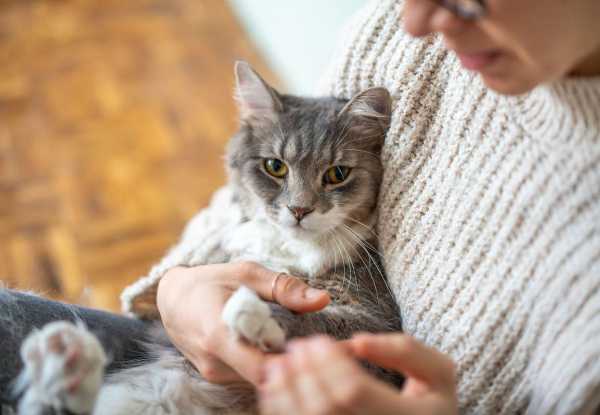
467 9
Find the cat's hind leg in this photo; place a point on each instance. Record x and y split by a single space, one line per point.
249 317
169 386
63 370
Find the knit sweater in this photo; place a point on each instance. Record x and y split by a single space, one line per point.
489 220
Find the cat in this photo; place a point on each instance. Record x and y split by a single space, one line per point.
303 184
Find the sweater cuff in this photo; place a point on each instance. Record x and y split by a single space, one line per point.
139 299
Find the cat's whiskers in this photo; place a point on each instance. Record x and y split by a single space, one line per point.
362 151
353 273
361 237
332 238
362 260
330 234
322 137
355 246
368 228
343 133
344 278
370 249
367 248
353 278
280 130
363 242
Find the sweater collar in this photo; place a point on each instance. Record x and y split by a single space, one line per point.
568 109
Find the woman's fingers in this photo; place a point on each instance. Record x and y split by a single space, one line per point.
297 384
312 391
214 369
280 396
245 359
351 390
289 291
321 377
404 354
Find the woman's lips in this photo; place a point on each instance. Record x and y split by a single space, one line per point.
478 61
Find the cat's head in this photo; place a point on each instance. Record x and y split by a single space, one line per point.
309 165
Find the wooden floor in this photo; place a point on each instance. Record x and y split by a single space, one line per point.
113 118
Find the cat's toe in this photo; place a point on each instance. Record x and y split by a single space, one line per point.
63 368
250 318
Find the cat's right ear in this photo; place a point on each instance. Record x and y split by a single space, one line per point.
369 112
257 101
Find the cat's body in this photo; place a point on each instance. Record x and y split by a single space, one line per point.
303 186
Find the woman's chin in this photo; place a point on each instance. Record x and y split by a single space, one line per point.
507 85
509 76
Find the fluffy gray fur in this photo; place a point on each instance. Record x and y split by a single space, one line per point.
309 135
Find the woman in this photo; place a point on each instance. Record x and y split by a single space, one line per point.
489 224
489 221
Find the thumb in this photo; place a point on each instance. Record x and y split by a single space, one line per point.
286 290
403 353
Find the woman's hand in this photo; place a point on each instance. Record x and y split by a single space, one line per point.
190 302
320 376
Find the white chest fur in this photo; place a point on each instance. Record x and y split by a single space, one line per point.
260 241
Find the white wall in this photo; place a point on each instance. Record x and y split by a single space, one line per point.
297 38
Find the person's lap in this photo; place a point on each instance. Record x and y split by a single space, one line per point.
20 313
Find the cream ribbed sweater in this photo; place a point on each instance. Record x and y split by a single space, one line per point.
489 220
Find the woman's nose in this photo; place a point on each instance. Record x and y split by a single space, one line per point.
417 16
422 17
446 22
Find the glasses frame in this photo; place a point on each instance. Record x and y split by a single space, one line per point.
465 9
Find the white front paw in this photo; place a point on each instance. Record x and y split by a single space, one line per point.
64 368
249 317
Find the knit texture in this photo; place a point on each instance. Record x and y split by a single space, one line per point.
489 219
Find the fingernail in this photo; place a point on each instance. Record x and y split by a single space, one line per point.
313 293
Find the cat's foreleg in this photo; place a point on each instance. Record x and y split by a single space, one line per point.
63 370
269 325
250 318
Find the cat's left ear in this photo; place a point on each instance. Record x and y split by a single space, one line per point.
368 113
256 99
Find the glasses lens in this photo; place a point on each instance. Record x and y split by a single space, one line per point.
467 9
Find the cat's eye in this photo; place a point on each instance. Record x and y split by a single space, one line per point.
336 174
275 167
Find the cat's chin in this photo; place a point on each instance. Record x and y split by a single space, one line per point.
300 232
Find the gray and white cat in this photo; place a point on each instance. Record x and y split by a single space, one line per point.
304 175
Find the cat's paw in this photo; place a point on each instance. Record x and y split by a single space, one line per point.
249 317
63 369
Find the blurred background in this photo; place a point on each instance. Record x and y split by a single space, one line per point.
113 119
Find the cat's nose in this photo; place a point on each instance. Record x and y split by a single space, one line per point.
300 212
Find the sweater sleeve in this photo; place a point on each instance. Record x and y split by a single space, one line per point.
200 239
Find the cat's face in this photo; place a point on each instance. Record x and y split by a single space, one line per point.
308 165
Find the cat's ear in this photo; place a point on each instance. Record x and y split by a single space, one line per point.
256 99
368 113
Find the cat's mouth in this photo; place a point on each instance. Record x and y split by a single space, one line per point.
298 229
301 230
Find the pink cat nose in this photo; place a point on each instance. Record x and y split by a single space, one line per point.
300 212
